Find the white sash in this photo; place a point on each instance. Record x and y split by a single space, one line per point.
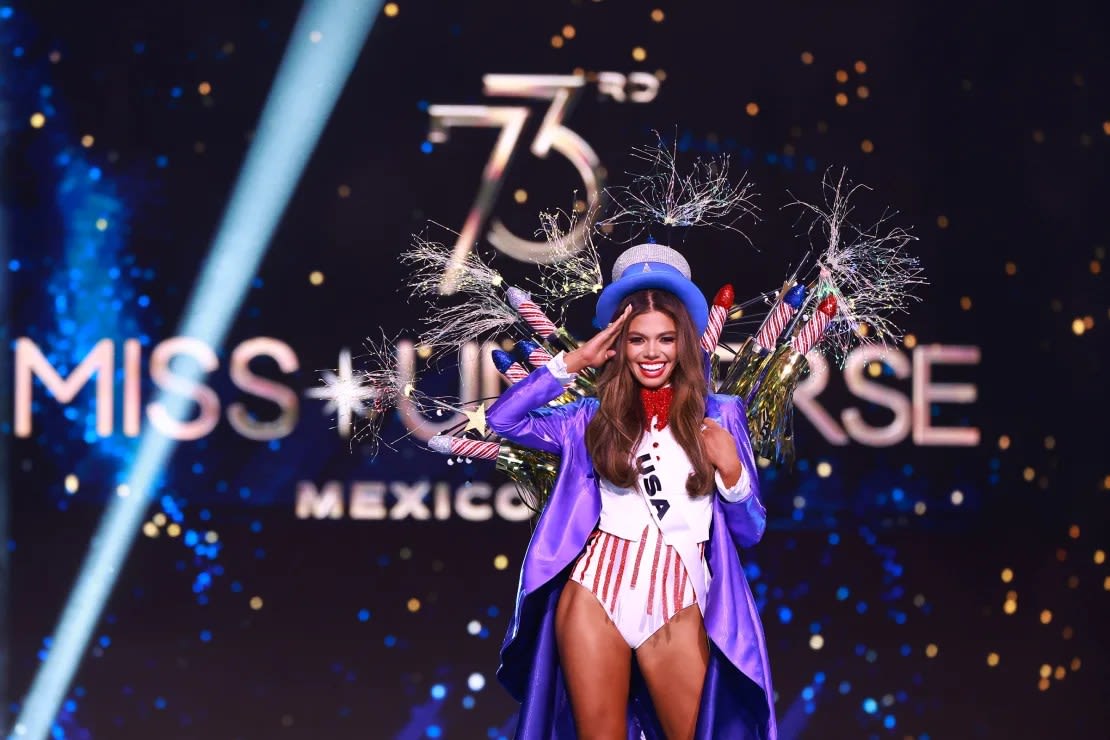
677 532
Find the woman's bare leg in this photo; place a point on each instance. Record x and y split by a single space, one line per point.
597 663
674 661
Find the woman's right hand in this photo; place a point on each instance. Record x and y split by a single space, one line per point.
597 351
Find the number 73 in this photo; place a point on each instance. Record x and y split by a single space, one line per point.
563 92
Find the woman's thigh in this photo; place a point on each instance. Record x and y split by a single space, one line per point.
673 662
596 662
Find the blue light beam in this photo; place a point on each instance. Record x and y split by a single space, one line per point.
318 59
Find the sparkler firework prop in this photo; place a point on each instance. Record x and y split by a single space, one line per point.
533 471
866 269
574 270
536 355
718 312
862 277
706 196
779 316
512 370
751 360
532 314
812 330
483 310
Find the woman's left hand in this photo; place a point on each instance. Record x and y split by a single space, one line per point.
720 448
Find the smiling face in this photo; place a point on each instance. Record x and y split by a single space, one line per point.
651 348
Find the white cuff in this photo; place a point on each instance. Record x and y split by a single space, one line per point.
736 493
558 367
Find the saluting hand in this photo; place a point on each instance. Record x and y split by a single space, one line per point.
720 448
597 351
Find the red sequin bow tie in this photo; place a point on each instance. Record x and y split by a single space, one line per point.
657 403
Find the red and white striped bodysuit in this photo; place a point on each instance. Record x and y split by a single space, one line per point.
646 560
641 584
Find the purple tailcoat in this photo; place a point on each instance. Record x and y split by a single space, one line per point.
737 701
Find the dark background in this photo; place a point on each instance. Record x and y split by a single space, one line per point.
990 133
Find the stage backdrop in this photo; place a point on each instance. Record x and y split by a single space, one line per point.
935 560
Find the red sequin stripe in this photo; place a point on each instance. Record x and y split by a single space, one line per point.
679 582
620 575
667 614
609 569
597 573
639 554
654 567
589 554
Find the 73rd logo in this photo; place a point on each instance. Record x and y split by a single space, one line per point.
563 91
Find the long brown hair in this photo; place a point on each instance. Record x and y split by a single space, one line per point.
614 432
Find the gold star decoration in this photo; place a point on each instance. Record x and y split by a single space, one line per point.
476 419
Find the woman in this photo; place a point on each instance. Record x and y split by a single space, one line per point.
635 553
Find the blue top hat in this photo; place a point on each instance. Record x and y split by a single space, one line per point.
652 266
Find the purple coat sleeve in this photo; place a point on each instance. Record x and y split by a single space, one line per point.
747 518
520 415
